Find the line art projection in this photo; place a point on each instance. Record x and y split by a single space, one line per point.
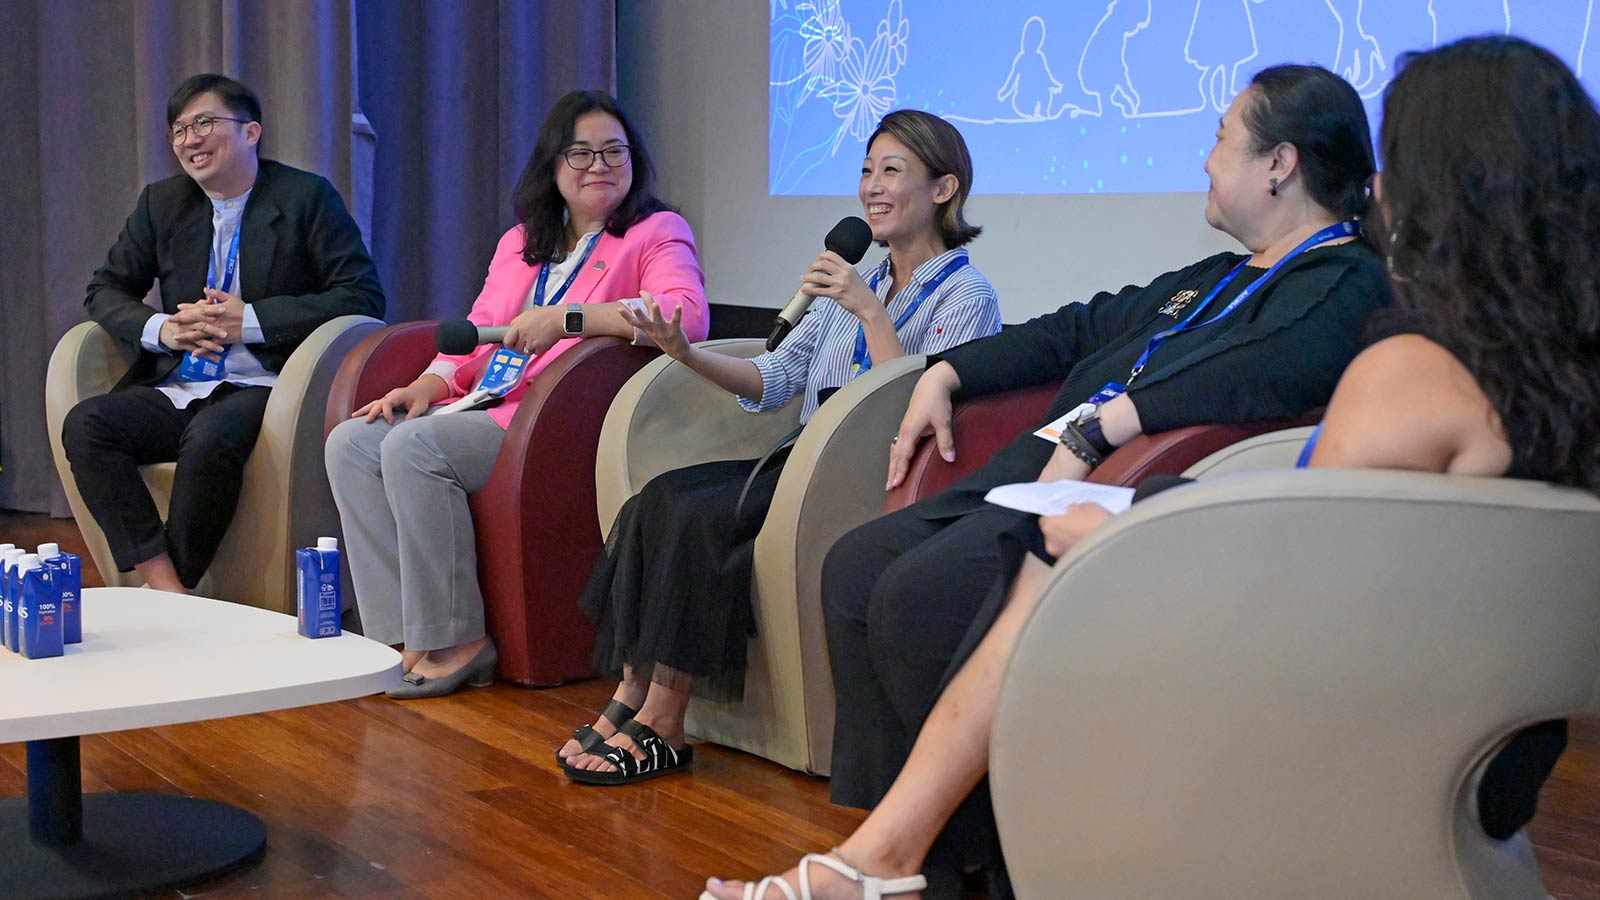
1090 96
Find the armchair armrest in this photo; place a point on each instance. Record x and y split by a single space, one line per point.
285 501
667 417
979 426
383 360
85 363
1287 684
832 482
1173 452
537 531
1271 450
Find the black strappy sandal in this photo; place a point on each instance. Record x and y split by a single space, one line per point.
589 740
659 759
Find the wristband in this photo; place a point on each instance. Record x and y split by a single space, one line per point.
1089 427
1073 438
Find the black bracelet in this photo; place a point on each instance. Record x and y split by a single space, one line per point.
1073 438
1095 435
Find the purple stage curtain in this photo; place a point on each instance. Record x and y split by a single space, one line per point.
421 114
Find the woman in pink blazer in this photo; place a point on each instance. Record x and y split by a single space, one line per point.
591 234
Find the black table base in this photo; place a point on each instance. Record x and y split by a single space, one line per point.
59 844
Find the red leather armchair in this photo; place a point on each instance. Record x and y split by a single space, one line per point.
538 534
983 425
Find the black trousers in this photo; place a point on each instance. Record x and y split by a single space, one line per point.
900 595
107 438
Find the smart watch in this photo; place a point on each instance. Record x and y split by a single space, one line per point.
572 321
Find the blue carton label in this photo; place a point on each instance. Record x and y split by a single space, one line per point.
39 615
317 592
67 571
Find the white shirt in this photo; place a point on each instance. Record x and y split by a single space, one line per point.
240 366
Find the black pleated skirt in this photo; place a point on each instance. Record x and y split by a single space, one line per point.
673 583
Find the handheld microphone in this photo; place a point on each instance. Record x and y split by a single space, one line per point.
459 337
850 239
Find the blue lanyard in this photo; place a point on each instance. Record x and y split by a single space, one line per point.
229 265
1343 229
861 361
544 276
1311 444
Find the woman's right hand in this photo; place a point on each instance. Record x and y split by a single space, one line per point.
664 333
412 399
927 413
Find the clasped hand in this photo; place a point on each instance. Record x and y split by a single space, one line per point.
206 326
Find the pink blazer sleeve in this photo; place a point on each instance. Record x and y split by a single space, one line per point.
657 255
669 268
505 285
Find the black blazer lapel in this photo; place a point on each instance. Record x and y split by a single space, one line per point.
191 254
257 243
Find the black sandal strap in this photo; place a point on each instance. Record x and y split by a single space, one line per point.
588 739
617 713
625 762
658 753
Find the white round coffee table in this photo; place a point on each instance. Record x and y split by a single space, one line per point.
151 658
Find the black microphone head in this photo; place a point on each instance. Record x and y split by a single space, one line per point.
457 337
850 239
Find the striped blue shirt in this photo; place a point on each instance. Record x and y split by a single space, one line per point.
817 355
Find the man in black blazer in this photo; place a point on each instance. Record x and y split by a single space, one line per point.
251 256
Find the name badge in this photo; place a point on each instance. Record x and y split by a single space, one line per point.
1052 431
503 372
198 368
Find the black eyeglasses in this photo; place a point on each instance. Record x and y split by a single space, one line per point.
581 158
202 125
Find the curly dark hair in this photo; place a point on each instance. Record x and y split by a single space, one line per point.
538 203
1491 191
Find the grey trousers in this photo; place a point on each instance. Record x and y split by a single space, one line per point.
402 493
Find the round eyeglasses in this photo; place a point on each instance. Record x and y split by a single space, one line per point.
202 125
581 158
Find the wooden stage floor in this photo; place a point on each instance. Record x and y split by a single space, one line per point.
461 798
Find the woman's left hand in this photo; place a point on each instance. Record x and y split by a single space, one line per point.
1063 531
830 276
536 330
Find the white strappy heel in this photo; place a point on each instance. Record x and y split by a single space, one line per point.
872 888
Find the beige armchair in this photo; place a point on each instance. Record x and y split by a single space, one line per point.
1287 684
667 417
285 502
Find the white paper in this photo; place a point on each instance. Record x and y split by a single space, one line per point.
1052 432
471 401
1051 498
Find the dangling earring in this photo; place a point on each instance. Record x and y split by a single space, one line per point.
1274 183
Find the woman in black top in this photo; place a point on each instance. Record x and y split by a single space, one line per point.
902 594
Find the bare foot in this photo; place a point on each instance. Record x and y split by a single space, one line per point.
670 730
175 587
826 884
160 574
633 698
410 658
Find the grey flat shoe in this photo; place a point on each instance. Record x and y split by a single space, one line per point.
478 672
